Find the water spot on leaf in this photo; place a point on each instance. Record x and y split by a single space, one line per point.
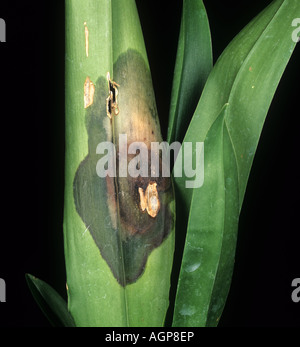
192 267
187 310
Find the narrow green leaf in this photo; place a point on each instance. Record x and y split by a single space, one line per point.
51 303
193 65
255 85
209 248
117 253
245 76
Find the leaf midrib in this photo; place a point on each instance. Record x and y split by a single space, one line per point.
117 186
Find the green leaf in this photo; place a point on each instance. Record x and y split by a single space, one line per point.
208 255
245 77
193 65
51 303
117 254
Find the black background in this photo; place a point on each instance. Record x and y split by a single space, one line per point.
32 161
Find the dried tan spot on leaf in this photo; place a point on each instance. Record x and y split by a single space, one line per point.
89 91
150 200
86 33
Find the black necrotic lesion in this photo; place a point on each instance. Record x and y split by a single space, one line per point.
109 106
124 240
112 91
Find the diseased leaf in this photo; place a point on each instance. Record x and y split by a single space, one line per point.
118 228
127 235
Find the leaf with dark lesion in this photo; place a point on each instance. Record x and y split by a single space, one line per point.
110 207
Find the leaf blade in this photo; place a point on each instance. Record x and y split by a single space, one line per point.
112 282
51 303
247 59
193 65
211 234
258 78
218 89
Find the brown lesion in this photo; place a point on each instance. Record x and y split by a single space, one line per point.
89 91
86 33
112 107
141 200
149 200
111 208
